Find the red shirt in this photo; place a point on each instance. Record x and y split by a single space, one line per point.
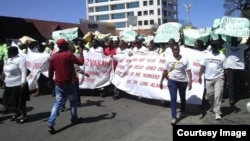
62 64
109 52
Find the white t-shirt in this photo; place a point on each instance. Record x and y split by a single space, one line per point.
177 68
235 56
213 65
15 71
126 51
142 49
98 49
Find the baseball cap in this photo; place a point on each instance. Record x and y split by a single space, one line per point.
61 42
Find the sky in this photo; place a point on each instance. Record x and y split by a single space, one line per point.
202 12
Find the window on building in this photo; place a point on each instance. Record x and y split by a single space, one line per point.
91 10
151 22
158 2
102 17
118 16
145 3
159 21
91 1
117 6
165 13
164 4
133 5
159 11
145 22
151 2
165 21
170 14
130 14
139 13
145 13
151 12
99 1
139 22
120 24
91 18
102 8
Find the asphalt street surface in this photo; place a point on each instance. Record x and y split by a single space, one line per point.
105 119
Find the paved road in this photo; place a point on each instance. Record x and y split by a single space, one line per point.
105 119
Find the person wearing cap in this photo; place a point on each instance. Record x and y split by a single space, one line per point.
139 48
212 65
62 66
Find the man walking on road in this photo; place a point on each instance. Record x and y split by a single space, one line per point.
62 64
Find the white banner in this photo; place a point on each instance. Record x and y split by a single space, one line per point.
140 75
100 70
36 63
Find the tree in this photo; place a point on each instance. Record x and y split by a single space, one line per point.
237 8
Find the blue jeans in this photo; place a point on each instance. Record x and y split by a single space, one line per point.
173 86
62 93
234 78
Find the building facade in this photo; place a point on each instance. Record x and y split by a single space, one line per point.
140 14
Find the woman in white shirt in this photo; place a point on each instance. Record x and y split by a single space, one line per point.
14 96
177 71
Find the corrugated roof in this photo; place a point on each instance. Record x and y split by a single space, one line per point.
41 30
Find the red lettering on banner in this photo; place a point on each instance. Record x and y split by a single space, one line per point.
144 83
130 66
93 73
128 81
138 74
196 64
152 76
195 81
160 69
157 85
196 73
138 66
120 66
37 65
131 73
150 68
135 82
28 64
90 80
118 73
142 59
128 61
162 61
97 63
31 76
151 60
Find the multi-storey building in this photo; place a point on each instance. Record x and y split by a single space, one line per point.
140 14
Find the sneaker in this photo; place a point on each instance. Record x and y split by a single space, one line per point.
51 129
78 120
231 103
22 119
173 121
217 117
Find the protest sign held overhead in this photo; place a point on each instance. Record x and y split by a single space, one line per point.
167 31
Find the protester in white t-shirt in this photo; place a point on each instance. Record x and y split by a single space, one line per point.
235 63
96 47
177 71
212 66
139 48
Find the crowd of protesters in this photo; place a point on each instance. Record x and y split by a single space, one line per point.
221 63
